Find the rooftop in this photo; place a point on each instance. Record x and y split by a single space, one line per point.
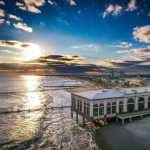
111 93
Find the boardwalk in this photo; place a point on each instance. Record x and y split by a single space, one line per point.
132 115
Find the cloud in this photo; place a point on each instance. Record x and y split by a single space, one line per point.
114 10
2 2
61 58
2 13
15 17
124 45
34 2
8 23
22 26
72 2
52 2
2 21
142 34
132 5
21 6
123 51
85 47
109 62
142 51
121 45
135 54
32 5
33 9
15 44
62 21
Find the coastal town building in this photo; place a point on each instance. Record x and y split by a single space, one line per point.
133 81
99 105
116 74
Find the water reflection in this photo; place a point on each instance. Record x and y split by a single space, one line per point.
33 97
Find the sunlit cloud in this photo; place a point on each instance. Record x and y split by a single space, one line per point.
132 58
2 21
2 13
112 9
123 51
34 2
52 2
109 62
132 5
121 45
72 2
21 6
22 26
140 51
8 23
33 9
21 51
2 2
15 44
32 5
124 45
15 17
142 34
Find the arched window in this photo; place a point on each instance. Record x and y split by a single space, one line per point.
114 107
108 108
141 104
101 109
80 105
73 103
88 109
120 107
149 102
130 105
95 110
84 108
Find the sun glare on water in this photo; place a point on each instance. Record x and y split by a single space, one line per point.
32 52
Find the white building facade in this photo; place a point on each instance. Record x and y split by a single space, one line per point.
102 104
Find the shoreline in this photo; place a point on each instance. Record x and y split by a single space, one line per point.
86 85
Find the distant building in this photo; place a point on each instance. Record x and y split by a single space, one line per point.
116 74
108 103
133 81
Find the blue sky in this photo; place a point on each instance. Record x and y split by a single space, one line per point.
102 33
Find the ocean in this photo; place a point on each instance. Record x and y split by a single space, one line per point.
27 120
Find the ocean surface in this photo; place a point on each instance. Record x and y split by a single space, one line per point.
27 120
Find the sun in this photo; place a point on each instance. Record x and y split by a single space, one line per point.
32 52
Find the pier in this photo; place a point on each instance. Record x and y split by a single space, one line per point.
131 115
101 105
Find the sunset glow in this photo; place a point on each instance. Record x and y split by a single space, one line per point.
32 52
